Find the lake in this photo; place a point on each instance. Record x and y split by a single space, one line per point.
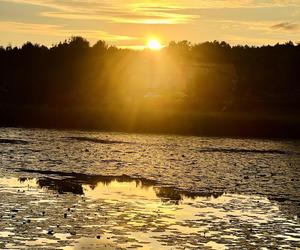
99 190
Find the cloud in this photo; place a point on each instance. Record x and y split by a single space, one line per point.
144 12
285 26
125 17
117 11
59 31
128 22
243 25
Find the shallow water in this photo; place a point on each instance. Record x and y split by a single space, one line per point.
93 190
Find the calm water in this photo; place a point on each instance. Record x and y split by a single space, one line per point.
94 190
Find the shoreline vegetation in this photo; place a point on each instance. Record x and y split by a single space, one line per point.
210 89
160 122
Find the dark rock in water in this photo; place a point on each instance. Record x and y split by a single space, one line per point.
12 141
43 213
50 232
65 215
98 237
72 232
28 221
279 199
94 140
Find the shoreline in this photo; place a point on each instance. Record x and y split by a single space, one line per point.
144 121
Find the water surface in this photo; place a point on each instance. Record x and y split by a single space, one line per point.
76 190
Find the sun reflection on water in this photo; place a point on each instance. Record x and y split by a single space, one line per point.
121 213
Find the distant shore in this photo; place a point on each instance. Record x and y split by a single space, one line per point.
223 124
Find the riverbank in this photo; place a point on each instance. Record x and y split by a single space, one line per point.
158 120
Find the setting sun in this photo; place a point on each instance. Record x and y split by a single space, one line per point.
154 44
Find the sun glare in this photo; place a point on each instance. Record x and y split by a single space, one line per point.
154 44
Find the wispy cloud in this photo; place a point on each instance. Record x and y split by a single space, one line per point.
119 21
265 26
145 12
60 31
125 17
115 11
285 26
27 27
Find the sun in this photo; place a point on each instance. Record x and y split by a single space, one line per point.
154 44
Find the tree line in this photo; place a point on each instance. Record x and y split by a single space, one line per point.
210 75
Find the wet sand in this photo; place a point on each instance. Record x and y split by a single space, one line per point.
79 190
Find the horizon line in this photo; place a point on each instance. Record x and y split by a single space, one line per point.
144 47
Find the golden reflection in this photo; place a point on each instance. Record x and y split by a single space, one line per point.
123 212
18 183
120 191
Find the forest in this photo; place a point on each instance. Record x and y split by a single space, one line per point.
41 86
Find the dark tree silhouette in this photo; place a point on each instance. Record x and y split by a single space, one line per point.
206 77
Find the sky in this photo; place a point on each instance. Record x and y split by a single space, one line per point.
128 23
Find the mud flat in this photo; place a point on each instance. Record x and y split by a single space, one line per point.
123 213
91 190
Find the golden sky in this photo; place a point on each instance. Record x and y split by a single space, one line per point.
131 23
